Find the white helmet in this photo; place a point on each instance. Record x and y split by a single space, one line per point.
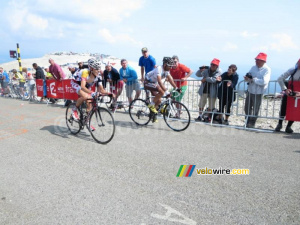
93 63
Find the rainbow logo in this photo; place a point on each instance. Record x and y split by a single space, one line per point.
185 170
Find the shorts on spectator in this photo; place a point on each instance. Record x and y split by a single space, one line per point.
183 90
114 88
21 84
32 86
131 88
203 100
4 84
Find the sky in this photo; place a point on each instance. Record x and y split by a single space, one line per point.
233 31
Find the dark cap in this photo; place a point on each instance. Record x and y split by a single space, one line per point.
145 49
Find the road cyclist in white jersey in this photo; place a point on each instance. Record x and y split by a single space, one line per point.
83 82
154 82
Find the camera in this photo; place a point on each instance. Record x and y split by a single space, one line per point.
249 75
203 67
292 94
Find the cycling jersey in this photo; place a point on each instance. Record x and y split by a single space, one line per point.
84 75
158 71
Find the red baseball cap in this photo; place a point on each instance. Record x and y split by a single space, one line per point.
262 56
215 61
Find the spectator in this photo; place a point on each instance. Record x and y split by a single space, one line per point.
73 70
226 93
4 80
81 66
112 76
208 88
18 77
31 84
146 62
39 74
257 79
292 74
48 74
56 70
129 76
180 74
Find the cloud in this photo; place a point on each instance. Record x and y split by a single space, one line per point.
246 34
279 43
283 42
68 16
37 22
118 38
229 47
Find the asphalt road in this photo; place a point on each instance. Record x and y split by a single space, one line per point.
48 176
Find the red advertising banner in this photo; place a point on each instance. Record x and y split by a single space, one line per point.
56 89
69 91
52 86
39 87
293 104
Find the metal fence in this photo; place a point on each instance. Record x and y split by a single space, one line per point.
269 108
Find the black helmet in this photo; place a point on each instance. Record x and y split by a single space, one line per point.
169 61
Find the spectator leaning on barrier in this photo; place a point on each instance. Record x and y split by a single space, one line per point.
39 74
208 88
257 79
226 94
180 74
112 76
129 76
56 70
294 75
146 62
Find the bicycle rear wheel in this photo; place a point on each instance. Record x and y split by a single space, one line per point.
102 125
177 116
139 112
73 126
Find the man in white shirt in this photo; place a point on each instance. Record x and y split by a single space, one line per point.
257 79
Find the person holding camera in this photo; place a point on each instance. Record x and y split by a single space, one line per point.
292 74
209 84
257 79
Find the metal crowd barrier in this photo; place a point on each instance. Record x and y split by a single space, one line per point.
269 108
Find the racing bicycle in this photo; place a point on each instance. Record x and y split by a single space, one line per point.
99 121
175 114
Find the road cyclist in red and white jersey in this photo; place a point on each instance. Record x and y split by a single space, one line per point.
84 81
154 82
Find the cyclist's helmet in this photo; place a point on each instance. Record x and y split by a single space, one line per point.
169 61
93 63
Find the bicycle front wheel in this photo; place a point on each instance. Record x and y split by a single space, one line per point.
102 125
73 126
177 116
139 112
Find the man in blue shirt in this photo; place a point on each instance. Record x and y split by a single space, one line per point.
4 80
146 62
129 76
